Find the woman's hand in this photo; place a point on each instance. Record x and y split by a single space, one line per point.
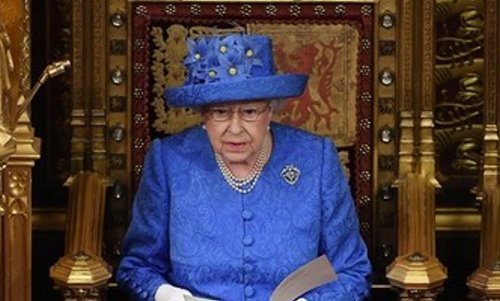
301 299
167 292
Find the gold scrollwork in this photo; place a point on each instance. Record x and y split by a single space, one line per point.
168 70
460 151
465 42
17 183
460 100
468 156
467 103
16 194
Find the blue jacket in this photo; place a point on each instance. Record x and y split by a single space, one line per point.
189 228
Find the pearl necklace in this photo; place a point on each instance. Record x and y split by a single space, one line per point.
246 184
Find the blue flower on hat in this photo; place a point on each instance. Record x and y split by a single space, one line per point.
231 67
252 53
198 59
235 67
197 51
228 46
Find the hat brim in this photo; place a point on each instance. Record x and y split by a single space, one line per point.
256 88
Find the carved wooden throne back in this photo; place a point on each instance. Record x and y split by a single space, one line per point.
331 43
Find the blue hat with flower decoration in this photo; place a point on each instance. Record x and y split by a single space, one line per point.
234 67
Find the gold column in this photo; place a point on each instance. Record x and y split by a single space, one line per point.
17 220
18 148
485 281
82 274
416 273
15 204
90 78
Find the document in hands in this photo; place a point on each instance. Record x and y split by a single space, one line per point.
309 276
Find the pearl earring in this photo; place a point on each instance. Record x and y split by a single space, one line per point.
268 127
204 127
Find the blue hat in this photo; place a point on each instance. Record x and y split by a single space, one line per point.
234 67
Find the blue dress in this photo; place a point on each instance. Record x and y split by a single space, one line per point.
189 228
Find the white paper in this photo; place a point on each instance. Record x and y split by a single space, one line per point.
309 276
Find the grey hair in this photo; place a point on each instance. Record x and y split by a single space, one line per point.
277 104
196 109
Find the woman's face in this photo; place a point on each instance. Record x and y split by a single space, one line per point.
237 130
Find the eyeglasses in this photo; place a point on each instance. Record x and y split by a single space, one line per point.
246 113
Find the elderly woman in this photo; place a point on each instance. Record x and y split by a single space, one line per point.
228 209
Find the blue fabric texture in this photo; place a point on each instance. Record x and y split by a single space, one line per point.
189 228
235 67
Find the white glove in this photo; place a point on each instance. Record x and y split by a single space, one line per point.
167 292
301 299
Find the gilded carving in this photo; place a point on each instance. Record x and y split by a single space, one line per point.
77 55
17 184
117 103
118 47
459 151
492 61
387 105
406 55
428 56
460 95
99 58
14 104
465 108
387 47
7 143
168 70
6 62
468 156
463 43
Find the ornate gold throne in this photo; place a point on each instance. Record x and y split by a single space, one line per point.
411 100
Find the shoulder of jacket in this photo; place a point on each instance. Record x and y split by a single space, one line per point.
184 141
296 136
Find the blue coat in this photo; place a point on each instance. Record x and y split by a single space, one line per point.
191 229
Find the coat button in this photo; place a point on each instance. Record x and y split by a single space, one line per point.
144 295
248 240
247 267
249 291
247 214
